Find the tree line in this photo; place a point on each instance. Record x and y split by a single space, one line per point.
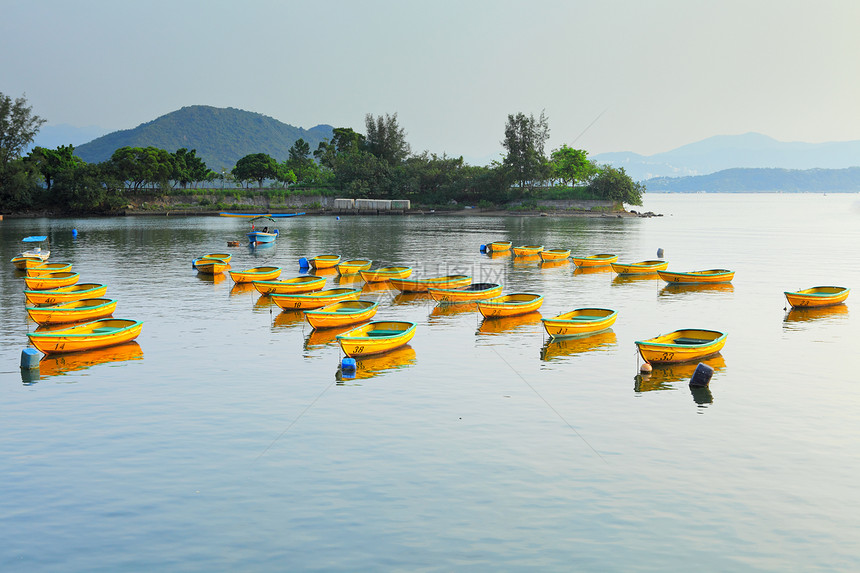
379 163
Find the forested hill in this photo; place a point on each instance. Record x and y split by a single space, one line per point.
221 136
762 180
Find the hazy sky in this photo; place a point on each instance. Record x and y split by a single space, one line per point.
662 73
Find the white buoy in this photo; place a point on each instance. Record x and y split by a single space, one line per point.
645 368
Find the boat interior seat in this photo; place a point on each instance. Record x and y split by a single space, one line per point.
385 332
685 340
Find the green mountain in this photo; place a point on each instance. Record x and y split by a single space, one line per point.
762 180
221 136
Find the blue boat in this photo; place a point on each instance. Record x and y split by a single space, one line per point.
263 231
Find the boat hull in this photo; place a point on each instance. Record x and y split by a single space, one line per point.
256 274
309 283
698 277
51 280
681 346
510 305
324 261
640 268
315 300
65 294
48 268
376 337
527 250
554 254
600 260
499 246
96 334
385 274
342 313
817 297
423 285
23 263
211 265
261 238
74 311
580 321
449 296
351 267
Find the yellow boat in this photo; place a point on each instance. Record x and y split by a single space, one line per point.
306 283
23 262
46 268
554 254
527 250
324 261
352 266
510 304
376 337
211 265
385 273
65 294
472 293
342 313
74 311
423 285
708 276
256 274
817 296
601 260
318 299
640 268
96 334
681 345
51 280
498 246
580 321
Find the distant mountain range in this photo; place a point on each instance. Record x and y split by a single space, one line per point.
750 150
221 136
762 181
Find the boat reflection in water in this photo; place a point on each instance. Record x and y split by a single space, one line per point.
663 377
795 317
242 288
573 345
58 364
553 264
681 289
592 270
375 365
620 280
378 286
501 325
319 337
348 280
443 311
210 278
288 318
413 298
526 261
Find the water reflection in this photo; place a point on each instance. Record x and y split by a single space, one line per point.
499 254
242 288
56 364
592 270
411 298
678 289
798 316
508 323
380 286
443 310
571 346
349 279
289 318
210 278
619 280
371 366
545 265
526 261
322 336
663 375
265 301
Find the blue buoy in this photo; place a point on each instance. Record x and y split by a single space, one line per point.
702 376
347 364
29 359
483 248
337 218
304 264
74 232
659 253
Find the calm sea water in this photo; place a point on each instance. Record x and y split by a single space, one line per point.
224 441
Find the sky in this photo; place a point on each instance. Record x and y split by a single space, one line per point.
640 76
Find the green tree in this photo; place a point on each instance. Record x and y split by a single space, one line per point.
140 167
615 185
525 138
188 168
386 139
89 188
571 165
256 167
300 162
343 140
51 163
18 127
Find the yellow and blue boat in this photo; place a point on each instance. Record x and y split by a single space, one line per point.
96 334
376 337
305 283
342 313
554 254
315 300
640 268
256 274
46 268
580 321
527 250
352 266
698 277
51 280
423 285
74 311
211 265
681 346
324 261
510 304
498 246
599 260
385 273
472 293
65 294
817 296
